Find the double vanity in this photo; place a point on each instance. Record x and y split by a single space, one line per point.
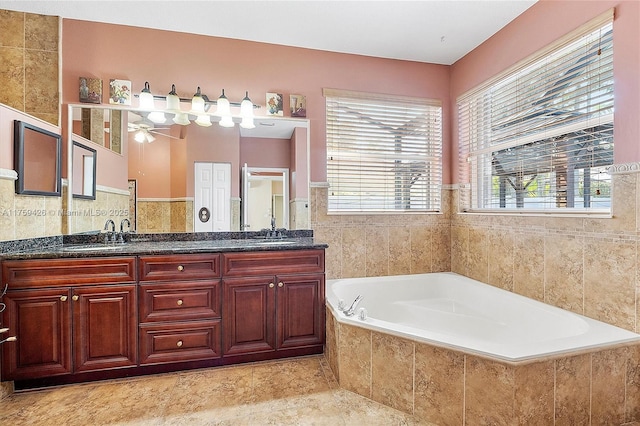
84 310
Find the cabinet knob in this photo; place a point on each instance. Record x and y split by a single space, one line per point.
179 302
179 344
271 285
180 268
63 298
280 284
75 297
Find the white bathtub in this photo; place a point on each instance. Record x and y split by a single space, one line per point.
452 311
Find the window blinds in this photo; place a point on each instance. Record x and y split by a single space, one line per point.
541 135
384 153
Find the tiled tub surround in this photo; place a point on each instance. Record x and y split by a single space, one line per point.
379 245
451 387
582 264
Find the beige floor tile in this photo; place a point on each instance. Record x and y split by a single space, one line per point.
300 391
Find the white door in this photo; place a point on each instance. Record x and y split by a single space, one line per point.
212 199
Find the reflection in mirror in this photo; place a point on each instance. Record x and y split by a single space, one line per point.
38 158
84 171
265 197
163 169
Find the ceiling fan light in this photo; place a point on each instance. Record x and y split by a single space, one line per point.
181 118
157 117
149 137
146 98
197 103
173 101
226 121
203 120
247 123
224 107
139 136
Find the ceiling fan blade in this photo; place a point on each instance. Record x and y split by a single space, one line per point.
163 134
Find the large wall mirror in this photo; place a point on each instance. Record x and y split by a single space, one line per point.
151 171
38 160
85 163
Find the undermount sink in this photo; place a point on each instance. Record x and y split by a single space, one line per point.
93 247
274 242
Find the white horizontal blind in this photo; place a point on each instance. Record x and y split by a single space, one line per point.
541 136
384 154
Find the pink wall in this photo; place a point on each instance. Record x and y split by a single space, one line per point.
162 57
539 26
150 166
262 152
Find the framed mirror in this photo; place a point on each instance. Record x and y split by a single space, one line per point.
38 160
84 171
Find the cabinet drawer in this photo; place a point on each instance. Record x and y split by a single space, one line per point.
272 262
178 301
59 272
183 267
178 342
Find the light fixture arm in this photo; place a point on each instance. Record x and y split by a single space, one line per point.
207 101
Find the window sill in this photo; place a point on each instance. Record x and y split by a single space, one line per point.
593 214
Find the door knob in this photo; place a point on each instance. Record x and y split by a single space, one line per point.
63 298
271 285
75 297
280 284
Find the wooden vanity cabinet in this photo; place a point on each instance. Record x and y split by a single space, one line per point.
273 301
179 304
69 316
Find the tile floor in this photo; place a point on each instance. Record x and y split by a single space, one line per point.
300 391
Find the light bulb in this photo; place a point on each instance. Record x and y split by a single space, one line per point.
197 103
247 123
226 121
173 101
224 108
181 118
146 98
203 120
139 136
157 117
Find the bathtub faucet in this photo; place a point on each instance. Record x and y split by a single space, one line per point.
352 309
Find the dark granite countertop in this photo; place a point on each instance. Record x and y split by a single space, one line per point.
75 246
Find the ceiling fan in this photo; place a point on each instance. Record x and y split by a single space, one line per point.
145 131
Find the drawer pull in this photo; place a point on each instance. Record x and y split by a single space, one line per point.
271 285
179 302
179 344
75 297
63 298
280 284
180 268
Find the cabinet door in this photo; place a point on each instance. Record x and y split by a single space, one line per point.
41 321
300 306
248 315
105 327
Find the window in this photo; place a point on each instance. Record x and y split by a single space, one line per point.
384 153
540 136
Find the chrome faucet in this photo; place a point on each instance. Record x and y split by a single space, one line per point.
111 234
352 309
273 232
121 234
